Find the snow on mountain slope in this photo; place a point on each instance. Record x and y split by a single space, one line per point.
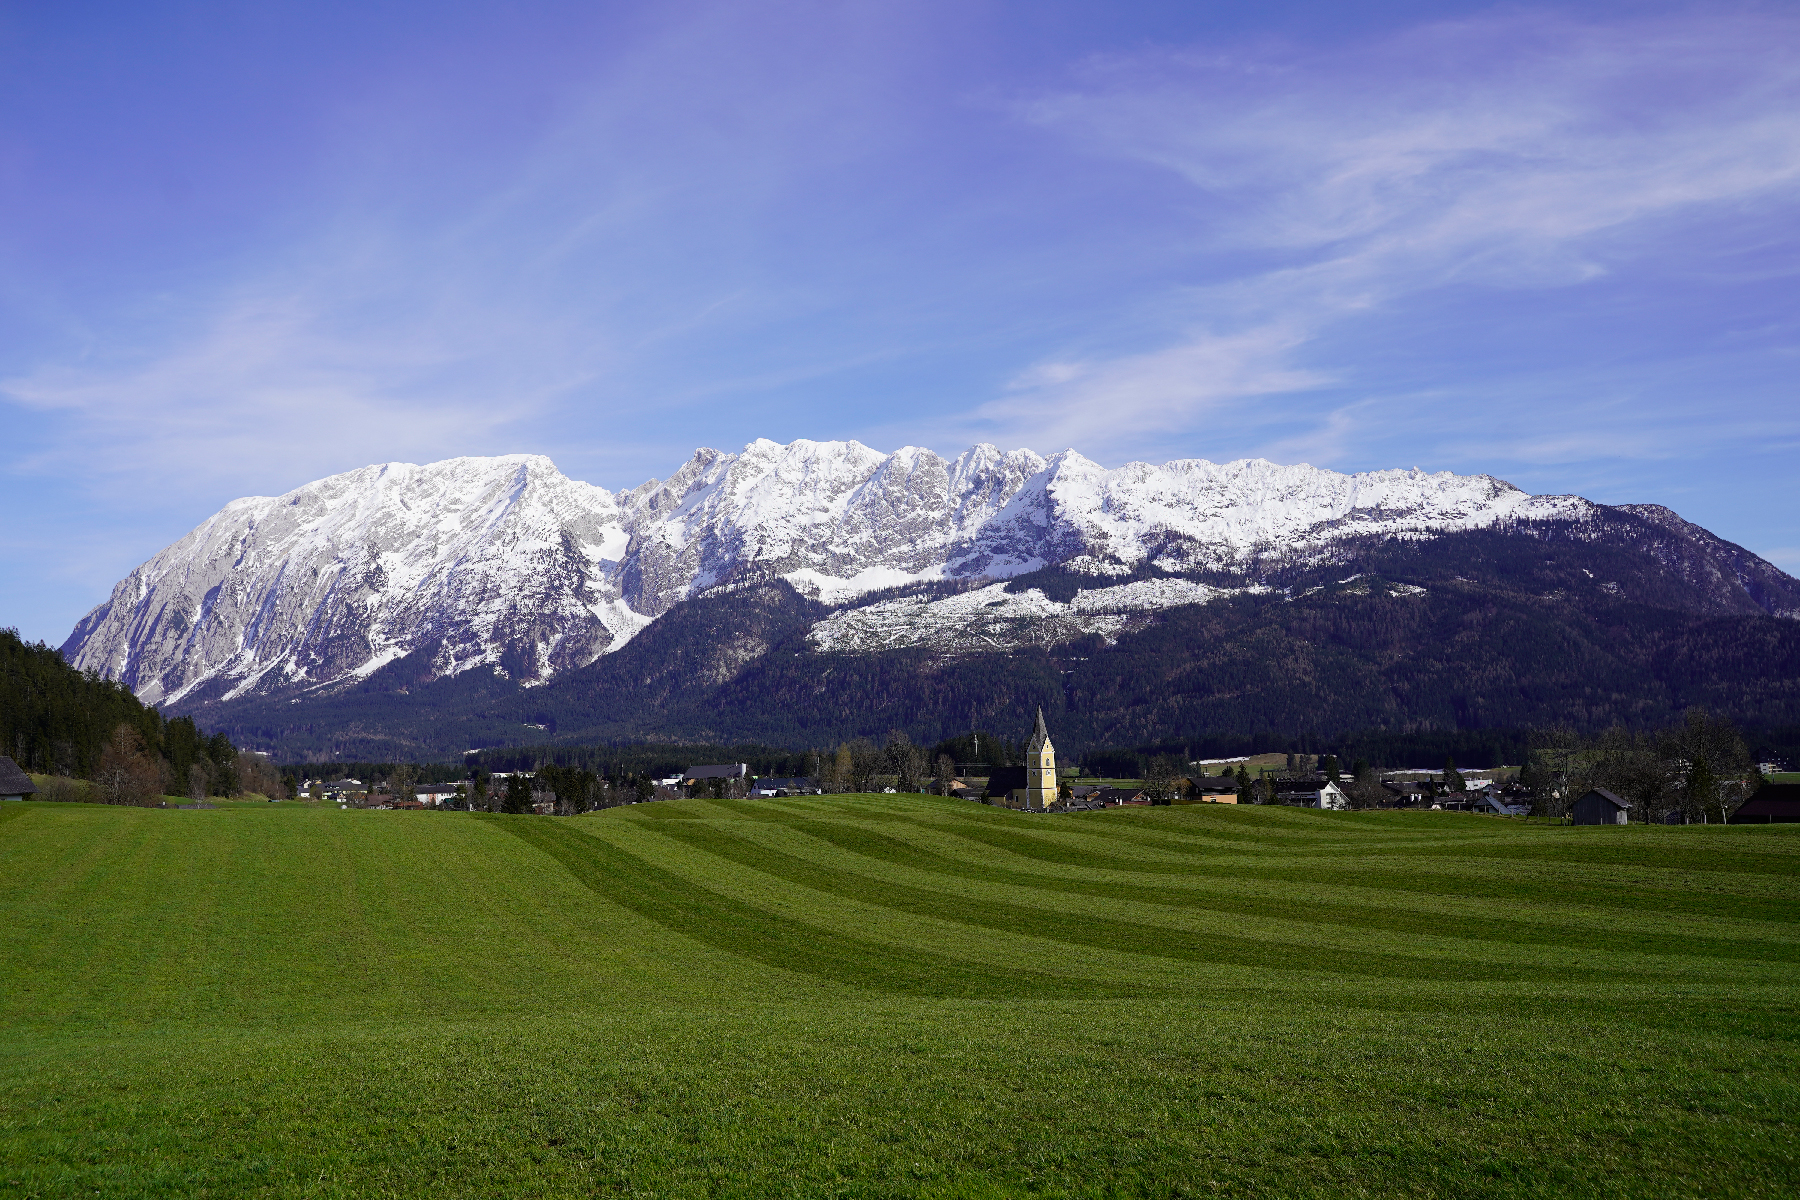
991 618
835 518
1192 514
505 562
474 560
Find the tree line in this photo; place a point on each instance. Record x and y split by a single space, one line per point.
1700 769
97 741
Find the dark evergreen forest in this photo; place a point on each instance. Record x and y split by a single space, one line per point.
55 720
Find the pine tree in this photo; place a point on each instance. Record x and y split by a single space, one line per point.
518 794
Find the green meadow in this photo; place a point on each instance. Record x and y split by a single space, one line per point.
893 996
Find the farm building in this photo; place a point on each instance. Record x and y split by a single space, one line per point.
1773 804
1599 807
716 771
783 785
14 783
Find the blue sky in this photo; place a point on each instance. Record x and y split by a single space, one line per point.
243 246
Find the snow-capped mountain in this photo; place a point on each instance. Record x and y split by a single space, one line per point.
507 563
483 560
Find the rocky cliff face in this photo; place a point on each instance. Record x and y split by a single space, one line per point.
506 563
498 561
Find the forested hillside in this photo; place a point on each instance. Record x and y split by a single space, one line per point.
55 720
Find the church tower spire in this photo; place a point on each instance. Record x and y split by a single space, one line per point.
1040 767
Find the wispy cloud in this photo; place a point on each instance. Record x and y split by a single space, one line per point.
1513 153
269 386
1098 404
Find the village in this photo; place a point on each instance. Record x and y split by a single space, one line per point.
1039 785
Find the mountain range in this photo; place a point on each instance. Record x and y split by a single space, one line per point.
806 592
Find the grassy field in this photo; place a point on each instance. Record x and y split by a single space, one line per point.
890 996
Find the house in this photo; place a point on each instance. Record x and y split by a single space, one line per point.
779 785
1117 795
1773 804
14 783
1321 793
1407 792
1599 807
434 797
716 771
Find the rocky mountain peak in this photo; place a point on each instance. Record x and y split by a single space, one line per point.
505 562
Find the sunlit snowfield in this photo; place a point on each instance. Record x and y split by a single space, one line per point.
892 996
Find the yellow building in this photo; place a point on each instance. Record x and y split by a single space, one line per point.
1040 768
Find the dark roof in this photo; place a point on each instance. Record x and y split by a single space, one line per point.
1605 795
1005 779
1039 735
14 782
1112 795
1770 800
717 771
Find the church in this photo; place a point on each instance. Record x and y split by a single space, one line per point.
1033 786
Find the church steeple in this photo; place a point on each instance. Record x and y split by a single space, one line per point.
1040 767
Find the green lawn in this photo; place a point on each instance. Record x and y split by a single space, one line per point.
890 996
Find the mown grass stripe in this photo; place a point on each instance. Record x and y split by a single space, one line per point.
725 924
1587 852
1486 927
1083 929
1432 877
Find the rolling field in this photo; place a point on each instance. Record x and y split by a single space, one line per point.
893 996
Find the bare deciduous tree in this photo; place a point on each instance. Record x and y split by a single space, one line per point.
1364 789
946 772
127 773
905 762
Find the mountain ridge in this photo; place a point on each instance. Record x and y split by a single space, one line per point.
504 563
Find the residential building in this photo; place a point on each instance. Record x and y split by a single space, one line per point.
778 785
1311 793
716 771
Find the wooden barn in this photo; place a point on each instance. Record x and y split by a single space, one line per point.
1599 807
1773 804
